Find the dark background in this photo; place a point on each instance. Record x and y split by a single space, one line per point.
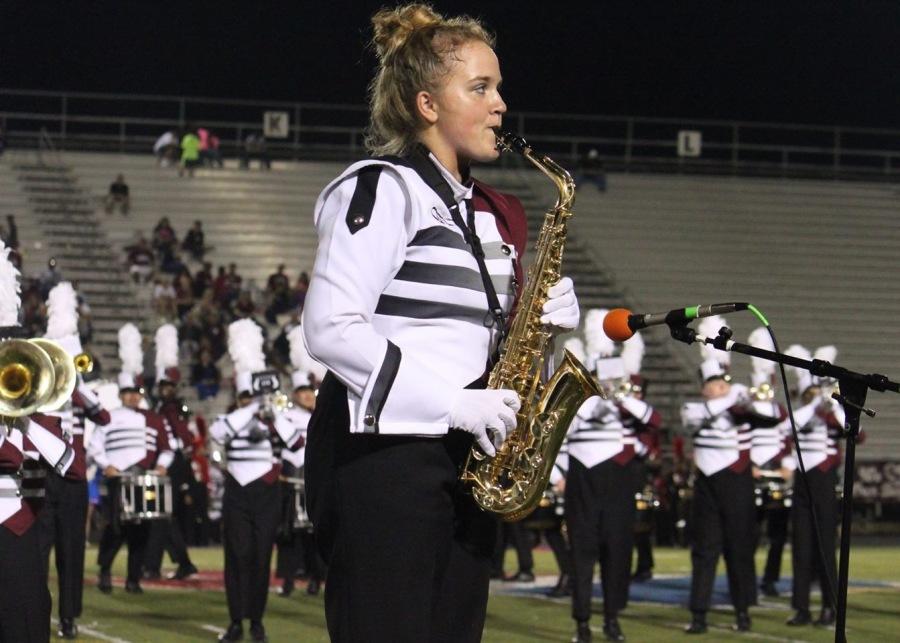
817 61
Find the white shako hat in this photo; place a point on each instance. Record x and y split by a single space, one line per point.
166 362
131 355
715 363
62 317
575 346
763 369
245 346
10 301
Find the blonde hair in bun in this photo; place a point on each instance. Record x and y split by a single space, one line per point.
415 47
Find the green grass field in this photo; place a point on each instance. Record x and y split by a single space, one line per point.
177 615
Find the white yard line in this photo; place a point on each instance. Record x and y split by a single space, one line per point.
88 629
749 635
211 628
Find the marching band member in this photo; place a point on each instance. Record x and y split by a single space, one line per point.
167 534
820 421
134 441
298 548
601 483
65 510
722 511
647 449
252 503
411 250
768 448
29 446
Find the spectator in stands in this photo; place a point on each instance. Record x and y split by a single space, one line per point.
243 306
278 294
140 260
184 293
166 149
11 233
214 152
164 298
163 235
592 170
234 282
255 148
49 278
170 261
299 290
190 154
205 376
33 311
203 280
118 195
194 241
220 287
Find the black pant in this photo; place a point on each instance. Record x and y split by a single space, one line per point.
61 524
250 515
560 549
804 546
25 610
723 521
644 550
513 533
409 552
135 534
777 520
167 534
600 514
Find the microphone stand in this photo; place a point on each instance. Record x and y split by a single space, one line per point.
853 389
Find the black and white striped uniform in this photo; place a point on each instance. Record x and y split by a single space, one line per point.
767 442
251 506
723 516
600 488
399 294
397 311
819 425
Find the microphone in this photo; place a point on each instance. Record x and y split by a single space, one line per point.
620 324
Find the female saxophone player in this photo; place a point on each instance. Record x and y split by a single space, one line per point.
411 251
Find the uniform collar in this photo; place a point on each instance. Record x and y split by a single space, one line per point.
461 191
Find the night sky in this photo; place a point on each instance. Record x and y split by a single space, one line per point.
820 61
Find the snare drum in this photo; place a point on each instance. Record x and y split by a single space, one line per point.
144 496
296 487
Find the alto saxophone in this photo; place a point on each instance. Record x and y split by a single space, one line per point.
512 483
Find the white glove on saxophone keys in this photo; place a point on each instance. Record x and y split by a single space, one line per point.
561 308
487 414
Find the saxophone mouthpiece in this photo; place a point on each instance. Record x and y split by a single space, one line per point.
507 142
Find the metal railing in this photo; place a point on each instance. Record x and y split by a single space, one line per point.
131 123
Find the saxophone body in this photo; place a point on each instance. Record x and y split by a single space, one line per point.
512 483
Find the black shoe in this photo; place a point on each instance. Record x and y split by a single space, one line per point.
133 587
698 624
183 572
642 576
313 586
563 587
582 633
151 574
826 618
741 622
235 632
104 582
520 577
800 617
67 628
258 632
286 589
612 631
768 589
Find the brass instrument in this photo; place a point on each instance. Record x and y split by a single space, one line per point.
619 389
84 363
274 402
27 378
512 483
762 393
64 371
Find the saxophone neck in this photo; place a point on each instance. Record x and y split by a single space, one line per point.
561 177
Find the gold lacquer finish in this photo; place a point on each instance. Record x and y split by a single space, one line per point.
84 363
27 378
512 483
64 371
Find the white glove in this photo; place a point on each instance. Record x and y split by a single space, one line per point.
561 308
487 414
